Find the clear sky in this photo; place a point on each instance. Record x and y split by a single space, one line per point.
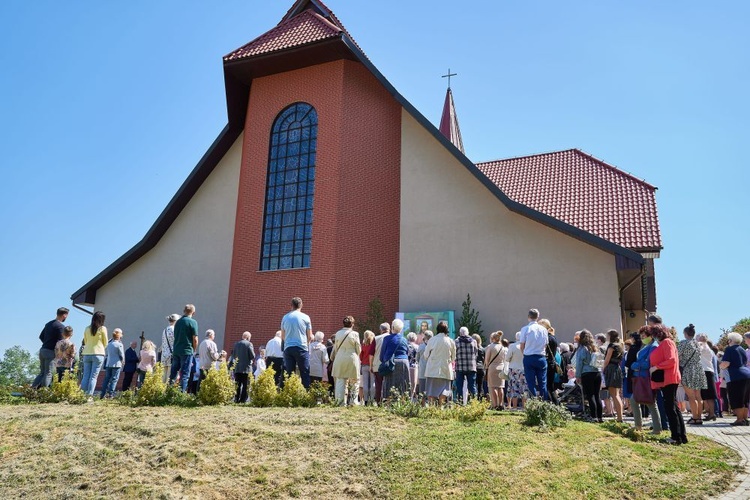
106 107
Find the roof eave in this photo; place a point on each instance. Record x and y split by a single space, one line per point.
87 293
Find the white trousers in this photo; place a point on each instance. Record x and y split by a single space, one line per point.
342 384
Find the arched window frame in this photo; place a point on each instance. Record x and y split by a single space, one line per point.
290 186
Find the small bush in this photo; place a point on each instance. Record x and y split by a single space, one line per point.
628 431
319 393
67 390
217 388
153 389
263 389
403 406
40 395
173 396
544 414
126 398
293 394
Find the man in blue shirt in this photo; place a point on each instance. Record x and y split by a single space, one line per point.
296 333
534 339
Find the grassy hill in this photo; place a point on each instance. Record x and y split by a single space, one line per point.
107 450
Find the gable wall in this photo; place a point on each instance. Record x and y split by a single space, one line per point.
458 238
190 264
356 203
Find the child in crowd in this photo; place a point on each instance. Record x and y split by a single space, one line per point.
148 360
260 363
65 353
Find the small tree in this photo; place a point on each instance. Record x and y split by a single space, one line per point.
17 367
469 318
741 327
373 317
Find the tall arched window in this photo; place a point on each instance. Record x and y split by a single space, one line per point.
287 224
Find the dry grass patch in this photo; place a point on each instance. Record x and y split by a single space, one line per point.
106 450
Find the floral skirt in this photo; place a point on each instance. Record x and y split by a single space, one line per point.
516 383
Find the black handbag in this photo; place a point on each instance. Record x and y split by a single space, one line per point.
657 376
387 367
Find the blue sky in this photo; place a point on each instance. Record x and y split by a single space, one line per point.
106 107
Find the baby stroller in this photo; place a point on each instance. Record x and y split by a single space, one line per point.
572 399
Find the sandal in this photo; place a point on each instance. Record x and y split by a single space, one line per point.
696 422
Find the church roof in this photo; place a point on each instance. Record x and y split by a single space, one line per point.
307 27
311 34
306 22
449 122
585 192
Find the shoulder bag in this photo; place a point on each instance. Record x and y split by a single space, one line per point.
558 368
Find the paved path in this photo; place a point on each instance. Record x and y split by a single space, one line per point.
737 438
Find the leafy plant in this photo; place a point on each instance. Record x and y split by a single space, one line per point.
374 317
263 389
469 318
173 396
319 393
544 414
217 388
293 394
67 390
151 393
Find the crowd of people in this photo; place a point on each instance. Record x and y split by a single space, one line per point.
650 374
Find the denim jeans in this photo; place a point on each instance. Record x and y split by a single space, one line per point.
535 370
44 379
662 411
296 357
110 380
181 364
92 365
368 384
471 380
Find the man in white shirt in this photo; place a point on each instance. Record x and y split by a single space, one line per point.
385 329
167 341
534 339
208 354
275 358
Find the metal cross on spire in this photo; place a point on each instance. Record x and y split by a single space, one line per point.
448 76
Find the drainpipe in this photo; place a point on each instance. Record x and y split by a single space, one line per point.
82 309
637 277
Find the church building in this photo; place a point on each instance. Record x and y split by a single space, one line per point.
326 183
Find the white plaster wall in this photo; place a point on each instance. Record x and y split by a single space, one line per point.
458 238
190 264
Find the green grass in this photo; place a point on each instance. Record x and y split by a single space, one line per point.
106 450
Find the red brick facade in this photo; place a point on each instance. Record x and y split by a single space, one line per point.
355 239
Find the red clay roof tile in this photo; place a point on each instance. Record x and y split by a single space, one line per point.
585 192
304 28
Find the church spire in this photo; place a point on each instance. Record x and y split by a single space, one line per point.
449 122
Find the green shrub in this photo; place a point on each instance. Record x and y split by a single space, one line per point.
173 396
67 390
293 394
40 395
319 393
153 389
126 398
403 406
263 389
544 414
217 388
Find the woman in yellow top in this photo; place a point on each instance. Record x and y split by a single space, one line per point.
94 346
